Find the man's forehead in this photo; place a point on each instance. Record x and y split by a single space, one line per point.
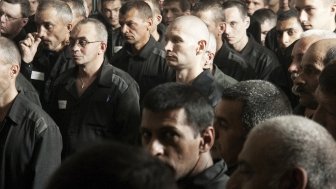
303 3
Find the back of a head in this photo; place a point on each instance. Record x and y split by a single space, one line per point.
154 4
62 8
327 79
325 47
9 53
263 15
214 6
142 7
77 8
112 166
323 34
184 4
171 96
298 142
261 100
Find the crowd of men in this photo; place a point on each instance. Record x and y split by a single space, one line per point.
168 94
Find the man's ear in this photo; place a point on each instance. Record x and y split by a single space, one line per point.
186 13
69 27
296 178
247 21
333 8
102 47
14 70
207 139
150 23
201 46
24 21
221 28
158 18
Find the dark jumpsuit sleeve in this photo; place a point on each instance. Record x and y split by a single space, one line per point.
47 152
128 114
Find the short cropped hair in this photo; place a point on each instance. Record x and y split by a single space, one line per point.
63 10
171 96
24 4
261 100
330 56
77 7
263 15
98 26
327 79
156 6
215 7
113 165
237 4
142 7
286 15
184 4
9 52
298 141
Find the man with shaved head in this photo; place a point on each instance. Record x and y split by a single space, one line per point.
186 50
313 62
317 14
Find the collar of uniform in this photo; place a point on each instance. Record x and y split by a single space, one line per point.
17 111
103 71
211 174
146 50
249 46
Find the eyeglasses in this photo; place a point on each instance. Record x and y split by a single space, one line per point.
8 18
82 42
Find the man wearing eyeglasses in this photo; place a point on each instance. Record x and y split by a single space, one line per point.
13 17
94 101
45 54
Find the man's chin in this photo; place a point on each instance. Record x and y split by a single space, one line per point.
308 103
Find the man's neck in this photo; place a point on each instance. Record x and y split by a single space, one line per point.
188 75
156 35
89 70
6 101
219 44
239 46
137 47
205 161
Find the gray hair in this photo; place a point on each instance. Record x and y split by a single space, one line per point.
98 26
9 52
261 100
323 34
63 10
298 141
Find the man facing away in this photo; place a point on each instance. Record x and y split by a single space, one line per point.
30 141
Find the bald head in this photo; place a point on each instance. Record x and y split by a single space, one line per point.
302 45
186 45
187 24
317 52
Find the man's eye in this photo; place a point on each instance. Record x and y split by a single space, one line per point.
82 42
49 26
145 135
221 124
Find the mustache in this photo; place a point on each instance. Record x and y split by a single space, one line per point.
298 89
